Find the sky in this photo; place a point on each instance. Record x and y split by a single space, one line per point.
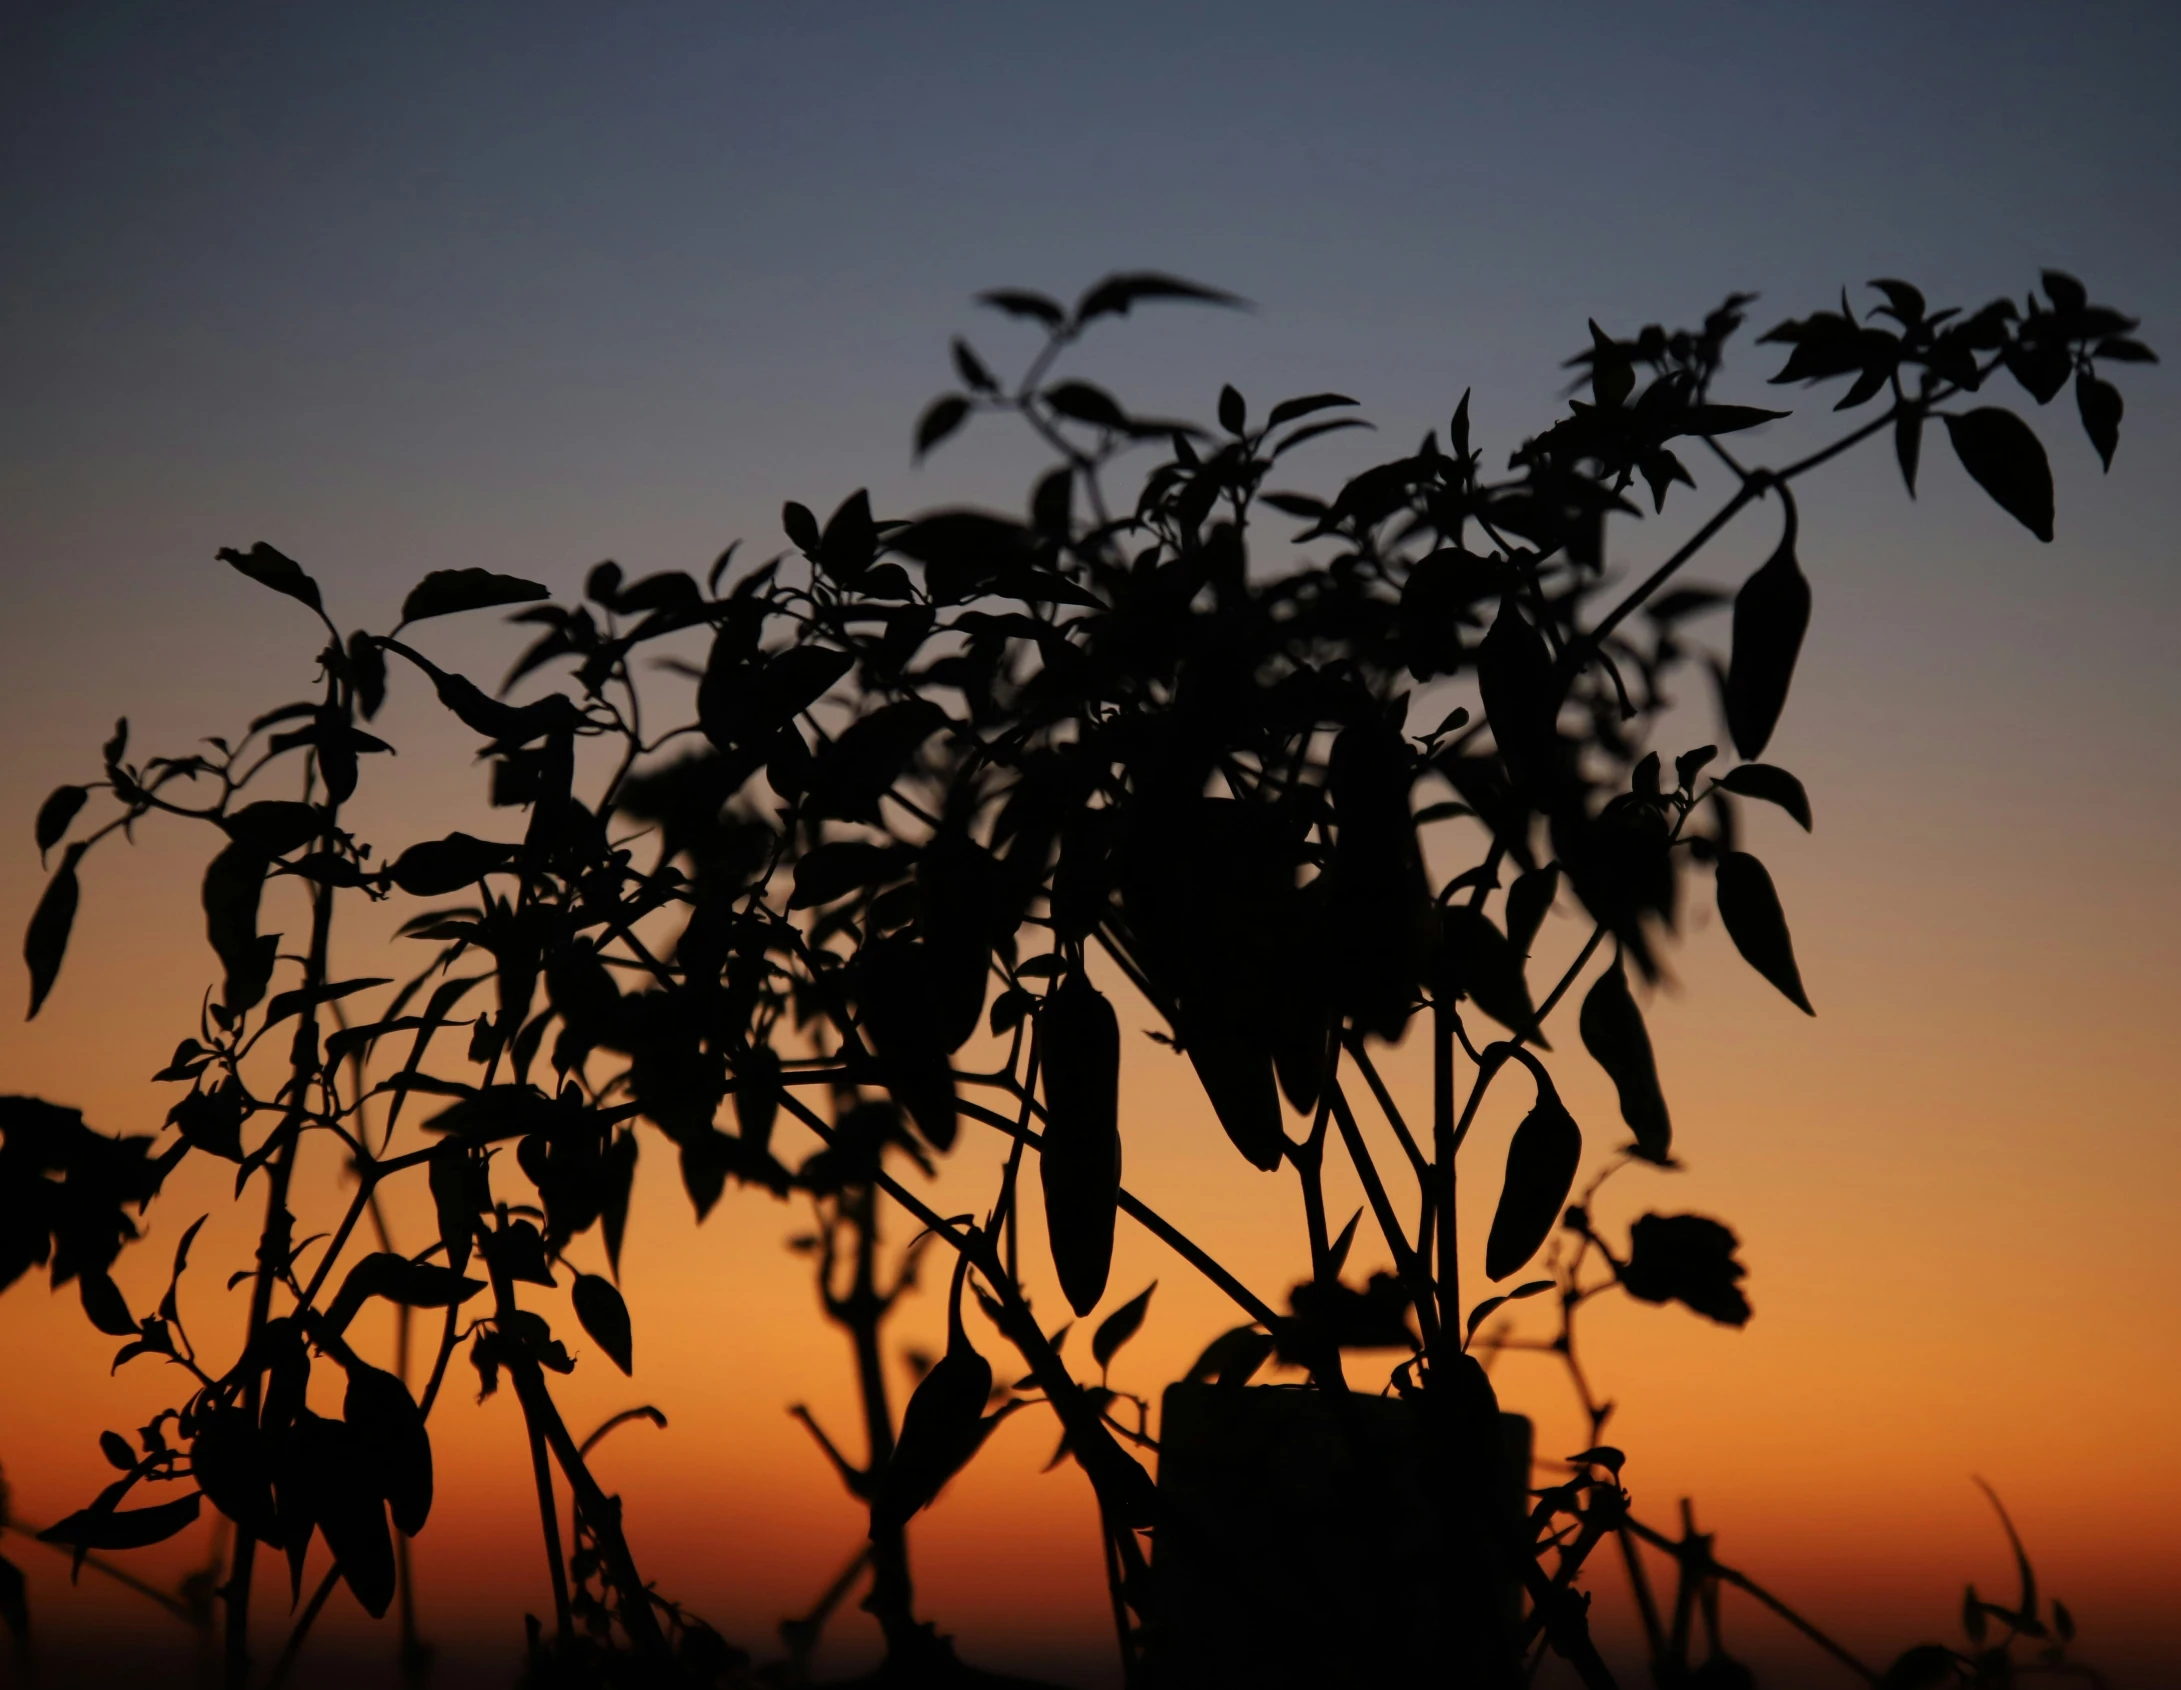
406 287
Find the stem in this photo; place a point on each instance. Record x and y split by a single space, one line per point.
303 1062
301 1628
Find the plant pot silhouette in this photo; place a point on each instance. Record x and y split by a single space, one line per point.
1313 1540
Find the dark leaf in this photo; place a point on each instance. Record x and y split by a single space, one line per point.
129 1528
1541 1162
497 1112
1614 1034
1478 961
1751 910
1287 410
46 941
1528 901
119 1452
1928 1666
439 866
446 591
2097 400
2002 455
275 827
1116 294
971 369
850 539
801 526
1083 402
843 866
1908 445
1120 1326
944 415
233 881
269 568
1773 786
1771 614
420 1285
1079 1040
1233 411
606 1318
1019 302
1686 1259
56 813
1233 1357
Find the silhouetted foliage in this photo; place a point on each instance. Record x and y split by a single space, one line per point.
938 772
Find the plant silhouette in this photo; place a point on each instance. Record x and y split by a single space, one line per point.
949 782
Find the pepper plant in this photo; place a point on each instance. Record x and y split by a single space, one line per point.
1301 774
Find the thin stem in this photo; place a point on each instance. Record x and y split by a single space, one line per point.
301 1629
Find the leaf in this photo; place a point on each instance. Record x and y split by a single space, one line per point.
497 1112
269 568
1287 410
1019 302
1773 786
1614 1034
130 1528
1233 1357
1771 615
275 826
1079 1040
1541 1162
850 539
606 1318
1528 900
1751 910
1233 410
445 592
1116 294
2003 456
419 1285
801 526
840 867
439 866
1478 961
1120 1326
1484 1310
55 814
118 1451
1908 445
1686 1259
1083 402
46 940
1928 1666
396 1448
233 881
941 418
971 368
2097 401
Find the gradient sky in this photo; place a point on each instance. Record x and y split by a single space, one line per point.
408 287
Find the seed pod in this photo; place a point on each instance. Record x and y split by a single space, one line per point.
1080 1044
